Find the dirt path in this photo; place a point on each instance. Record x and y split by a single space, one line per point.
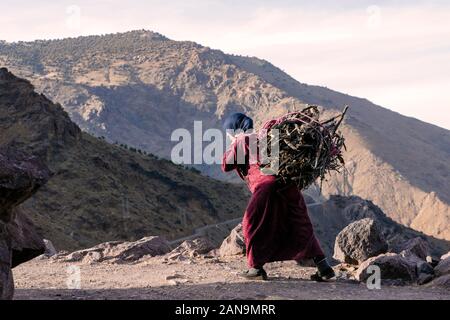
193 279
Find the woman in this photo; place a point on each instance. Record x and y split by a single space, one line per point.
276 225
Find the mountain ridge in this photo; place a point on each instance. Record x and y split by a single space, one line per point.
102 192
135 90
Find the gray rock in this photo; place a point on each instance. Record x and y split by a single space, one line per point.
392 267
26 242
421 265
234 244
441 282
191 249
443 267
119 251
424 267
6 286
359 241
49 248
92 257
433 261
21 176
445 256
424 278
418 247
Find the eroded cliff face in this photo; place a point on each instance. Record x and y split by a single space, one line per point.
21 175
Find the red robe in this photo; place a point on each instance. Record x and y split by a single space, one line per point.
276 225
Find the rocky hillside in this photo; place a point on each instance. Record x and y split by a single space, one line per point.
137 87
101 192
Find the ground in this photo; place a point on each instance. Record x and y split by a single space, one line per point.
199 278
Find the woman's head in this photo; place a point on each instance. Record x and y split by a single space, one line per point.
238 121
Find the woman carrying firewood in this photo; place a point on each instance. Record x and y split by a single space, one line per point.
276 225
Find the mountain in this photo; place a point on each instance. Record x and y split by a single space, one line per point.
137 87
100 192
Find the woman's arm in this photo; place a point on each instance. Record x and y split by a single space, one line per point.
229 158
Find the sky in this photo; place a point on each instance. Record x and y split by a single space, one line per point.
394 53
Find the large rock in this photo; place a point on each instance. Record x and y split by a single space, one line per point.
359 241
234 244
26 242
118 251
191 249
445 256
441 282
20 177
6 279
418 247
443 267
392 267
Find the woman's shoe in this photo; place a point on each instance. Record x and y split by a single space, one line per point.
324 271
319 277
254 274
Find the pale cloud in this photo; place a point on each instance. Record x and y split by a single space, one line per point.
397 55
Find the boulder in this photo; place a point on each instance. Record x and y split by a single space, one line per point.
424 278
234 244
6 279
21 176
118 251
418 247
359 241
441 282
445 256
26 242
422 266
191 249
443 267
392 267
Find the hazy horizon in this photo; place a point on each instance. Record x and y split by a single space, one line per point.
376 50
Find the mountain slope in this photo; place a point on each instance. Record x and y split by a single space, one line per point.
137 87
101 192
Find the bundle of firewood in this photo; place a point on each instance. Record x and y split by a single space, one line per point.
308 148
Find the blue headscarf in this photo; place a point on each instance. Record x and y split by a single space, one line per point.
238 121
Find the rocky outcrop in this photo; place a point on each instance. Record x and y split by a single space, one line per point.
359 241
234 244
120 252
21 176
